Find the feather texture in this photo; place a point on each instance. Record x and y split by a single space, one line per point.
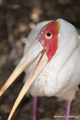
61 75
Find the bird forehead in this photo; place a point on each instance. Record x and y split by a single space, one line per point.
53 27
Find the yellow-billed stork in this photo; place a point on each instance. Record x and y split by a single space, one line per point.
51 62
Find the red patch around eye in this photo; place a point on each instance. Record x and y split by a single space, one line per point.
48 35
51 40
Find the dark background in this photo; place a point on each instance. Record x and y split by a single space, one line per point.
17 19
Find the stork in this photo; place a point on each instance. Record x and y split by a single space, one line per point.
51 61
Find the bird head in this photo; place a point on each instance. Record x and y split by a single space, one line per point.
48 37
43 49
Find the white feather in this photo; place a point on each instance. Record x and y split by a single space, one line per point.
61 75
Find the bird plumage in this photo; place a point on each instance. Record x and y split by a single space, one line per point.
51 63
60 77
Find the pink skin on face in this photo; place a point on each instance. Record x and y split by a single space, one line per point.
48 37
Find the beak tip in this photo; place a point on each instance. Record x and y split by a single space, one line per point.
8 118
1 92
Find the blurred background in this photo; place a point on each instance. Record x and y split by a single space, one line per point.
17 19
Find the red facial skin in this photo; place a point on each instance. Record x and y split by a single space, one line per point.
50 43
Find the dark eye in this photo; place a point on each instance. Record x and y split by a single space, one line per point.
48 35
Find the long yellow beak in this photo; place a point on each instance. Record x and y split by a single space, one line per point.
35 51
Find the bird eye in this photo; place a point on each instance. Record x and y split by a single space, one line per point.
48 35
